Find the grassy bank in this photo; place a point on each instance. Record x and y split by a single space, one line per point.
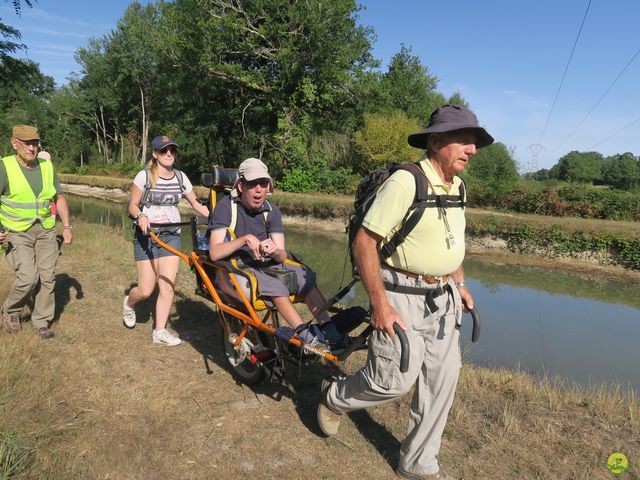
101 401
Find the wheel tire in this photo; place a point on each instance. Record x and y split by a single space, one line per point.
238 358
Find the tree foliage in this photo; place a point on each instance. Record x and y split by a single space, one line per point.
622 171
493 167
581 167
383 140
410 87
294 83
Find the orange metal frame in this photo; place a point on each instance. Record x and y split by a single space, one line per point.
252 319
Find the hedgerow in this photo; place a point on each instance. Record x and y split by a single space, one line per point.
554 240
559 201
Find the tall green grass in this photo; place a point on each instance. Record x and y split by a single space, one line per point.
13 456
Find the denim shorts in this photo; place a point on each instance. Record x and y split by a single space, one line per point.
145 248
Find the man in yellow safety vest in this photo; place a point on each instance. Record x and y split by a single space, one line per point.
28 187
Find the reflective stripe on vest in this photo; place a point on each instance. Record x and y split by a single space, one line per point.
21 208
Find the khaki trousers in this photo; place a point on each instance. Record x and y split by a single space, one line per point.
434 366
32 255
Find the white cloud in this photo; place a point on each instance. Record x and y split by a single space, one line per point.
55 33
40 15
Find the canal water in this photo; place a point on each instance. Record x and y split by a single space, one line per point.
562 325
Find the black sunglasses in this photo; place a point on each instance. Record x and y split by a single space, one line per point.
171 149
263 182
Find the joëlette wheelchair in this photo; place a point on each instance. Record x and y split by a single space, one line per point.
251 331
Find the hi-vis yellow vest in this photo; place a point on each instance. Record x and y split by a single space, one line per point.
21 208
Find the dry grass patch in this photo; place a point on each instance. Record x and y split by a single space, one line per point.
101 401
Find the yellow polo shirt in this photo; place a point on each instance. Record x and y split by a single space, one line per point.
431 248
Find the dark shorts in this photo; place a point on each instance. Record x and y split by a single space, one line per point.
145 248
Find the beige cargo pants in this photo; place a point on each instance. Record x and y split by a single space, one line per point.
32 255
434 366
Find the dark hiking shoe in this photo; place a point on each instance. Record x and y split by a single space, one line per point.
44 333
11 323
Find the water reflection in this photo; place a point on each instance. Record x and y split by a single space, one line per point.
543 322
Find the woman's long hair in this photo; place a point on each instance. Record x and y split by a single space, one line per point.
152 165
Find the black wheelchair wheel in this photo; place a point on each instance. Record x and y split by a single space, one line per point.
239 356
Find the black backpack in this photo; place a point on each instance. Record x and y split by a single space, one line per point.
367 191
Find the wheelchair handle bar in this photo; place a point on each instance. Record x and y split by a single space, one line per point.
475 316
404 348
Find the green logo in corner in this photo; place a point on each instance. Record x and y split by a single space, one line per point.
618 463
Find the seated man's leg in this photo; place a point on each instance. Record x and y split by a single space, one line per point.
287 310
275 292
315 301
308 289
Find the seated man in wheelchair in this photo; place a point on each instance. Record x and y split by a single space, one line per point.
249 227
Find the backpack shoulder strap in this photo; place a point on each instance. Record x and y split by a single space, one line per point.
234 216
463 193
265 215
414 212
180 178
147 188
422 182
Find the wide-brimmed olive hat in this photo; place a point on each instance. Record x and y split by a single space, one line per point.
448 119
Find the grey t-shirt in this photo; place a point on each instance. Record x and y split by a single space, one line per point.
33 176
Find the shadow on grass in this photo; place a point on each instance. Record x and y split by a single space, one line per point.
197 324
62 293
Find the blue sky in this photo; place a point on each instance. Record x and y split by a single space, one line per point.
506 58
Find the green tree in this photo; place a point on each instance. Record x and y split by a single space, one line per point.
24 99
140 75
493 167
10 45
581 167
622 171
383 140
410 87
265 67
456 99
122 78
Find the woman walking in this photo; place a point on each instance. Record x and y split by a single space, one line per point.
155 194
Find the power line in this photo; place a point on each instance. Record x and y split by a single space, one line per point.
616 133
565 72
599 100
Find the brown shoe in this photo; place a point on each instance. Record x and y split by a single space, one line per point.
44 333
11 322
328 420
429 476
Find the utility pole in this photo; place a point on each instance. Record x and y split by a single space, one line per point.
535 150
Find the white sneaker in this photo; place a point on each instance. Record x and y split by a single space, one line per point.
164 337
128 314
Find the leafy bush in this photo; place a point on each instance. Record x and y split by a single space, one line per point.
383 140
318 177
562 201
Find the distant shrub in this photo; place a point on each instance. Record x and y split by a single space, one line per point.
561 201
